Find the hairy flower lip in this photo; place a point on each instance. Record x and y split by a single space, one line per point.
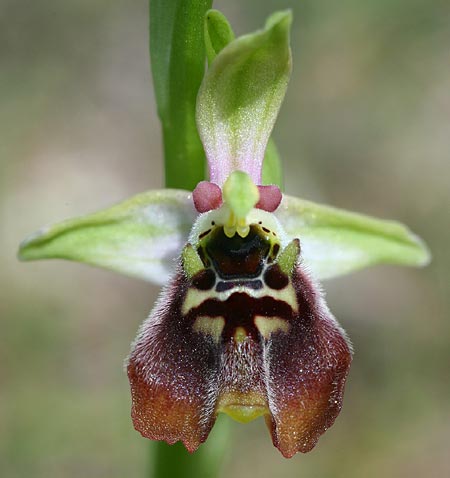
182 376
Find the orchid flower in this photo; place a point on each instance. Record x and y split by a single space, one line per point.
241 326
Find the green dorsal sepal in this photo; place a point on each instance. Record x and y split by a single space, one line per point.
192 264
289 256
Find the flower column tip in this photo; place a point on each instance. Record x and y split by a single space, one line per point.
241 195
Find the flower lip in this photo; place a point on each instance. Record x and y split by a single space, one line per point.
242 353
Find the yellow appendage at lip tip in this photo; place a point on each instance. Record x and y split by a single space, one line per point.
244 414
241 195
243 407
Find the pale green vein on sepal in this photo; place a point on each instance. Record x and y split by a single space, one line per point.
335 242
140 237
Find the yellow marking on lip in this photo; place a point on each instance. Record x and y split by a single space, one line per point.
287 295
243 407
195 297
212 326
240 334
269 325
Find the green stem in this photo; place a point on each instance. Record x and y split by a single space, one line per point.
178 56
175 462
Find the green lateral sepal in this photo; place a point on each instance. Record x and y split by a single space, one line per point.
335 242
140 237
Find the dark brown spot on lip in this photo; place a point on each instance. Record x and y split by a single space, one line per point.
275 278
204 280
251 284
266 230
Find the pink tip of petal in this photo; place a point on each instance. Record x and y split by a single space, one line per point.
269 198
207 196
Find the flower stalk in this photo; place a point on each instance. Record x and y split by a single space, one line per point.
177 53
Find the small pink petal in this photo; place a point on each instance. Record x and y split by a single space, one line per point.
269 198
207 196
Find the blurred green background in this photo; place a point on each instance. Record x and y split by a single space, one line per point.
365 126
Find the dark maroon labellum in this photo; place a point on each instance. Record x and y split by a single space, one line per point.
245 336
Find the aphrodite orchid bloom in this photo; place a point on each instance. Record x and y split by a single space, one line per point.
241 326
